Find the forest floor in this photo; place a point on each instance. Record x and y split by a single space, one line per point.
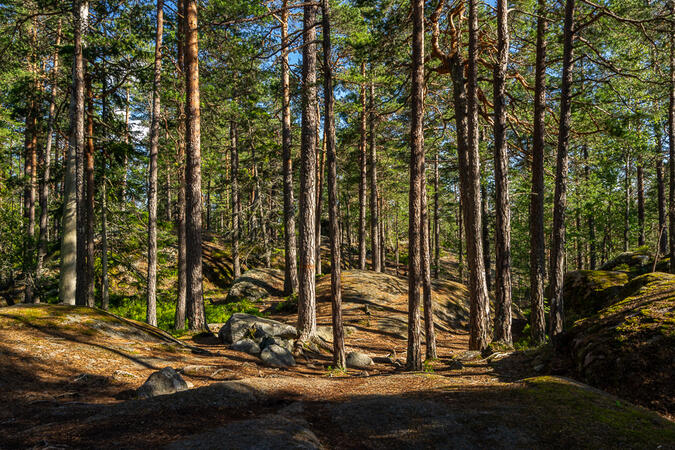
68 377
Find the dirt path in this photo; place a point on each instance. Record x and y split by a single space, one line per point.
67 377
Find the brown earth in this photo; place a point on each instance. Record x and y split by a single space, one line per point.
67 377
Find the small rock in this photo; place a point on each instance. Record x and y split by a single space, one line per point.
271 340
455 365
246 345
121 375
197 371
277 356
468 355
357 360
166 381
539 367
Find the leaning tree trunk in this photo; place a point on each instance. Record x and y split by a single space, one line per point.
307 198
363 173
151 313
414 356
339 358
375 243
537 242
193 175
290 255
321 161
560 199
502 208
68 272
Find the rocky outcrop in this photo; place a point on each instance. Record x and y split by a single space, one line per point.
628 347
255 285
588 291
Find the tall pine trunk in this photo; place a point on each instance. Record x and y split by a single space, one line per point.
307 197
193 176
427 301
414 355
502 207
181 303
236 205
375 252
46 162
363 172
68 272
671 142
151 313
560 198
469 161
89 198
339 358
537 242
641 202
290 255
437 230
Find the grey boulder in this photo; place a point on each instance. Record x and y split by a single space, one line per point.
247 346
277 356
357 360
239 325
166 381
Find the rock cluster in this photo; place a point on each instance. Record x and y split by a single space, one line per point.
272 341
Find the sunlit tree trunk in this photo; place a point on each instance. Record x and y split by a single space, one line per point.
181 305
89 199
502 207
193 177
151 313
307 197
234 198
290 255
339 358
375 243
414 355
68 272
363 173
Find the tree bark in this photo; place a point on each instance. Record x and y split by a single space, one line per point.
671 142
181 305
89 200
105 287
375 252
641 202
234 196
339 358
430 332
437 230
307 197
290 255
151 313
30 172
591 216
537 239
46 163
626 210
193 178
560 198
486 235
68 272
414 355
321 161
469 161
363 175
502 207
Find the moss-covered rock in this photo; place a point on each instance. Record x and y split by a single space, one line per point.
588 291
256 284
628 347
